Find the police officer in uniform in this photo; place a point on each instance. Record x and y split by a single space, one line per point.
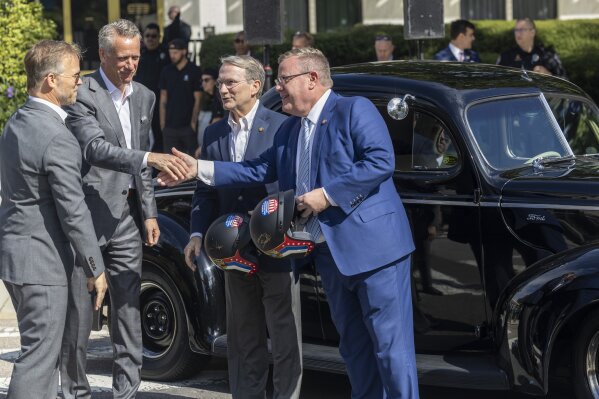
531 56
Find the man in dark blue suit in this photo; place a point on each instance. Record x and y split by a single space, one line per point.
356 218
270 298
460 46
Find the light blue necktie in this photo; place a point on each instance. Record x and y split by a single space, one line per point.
303 174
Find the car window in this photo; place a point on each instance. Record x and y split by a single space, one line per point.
512 132
421 143
579 122
432 145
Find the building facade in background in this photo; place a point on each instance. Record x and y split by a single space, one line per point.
80 21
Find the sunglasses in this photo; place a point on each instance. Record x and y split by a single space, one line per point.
151 35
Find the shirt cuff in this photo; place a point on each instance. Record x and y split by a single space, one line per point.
196 235
206 172
331 201
144 164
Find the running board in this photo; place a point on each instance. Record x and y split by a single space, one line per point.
466 371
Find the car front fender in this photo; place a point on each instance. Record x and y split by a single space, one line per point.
534 308
202 290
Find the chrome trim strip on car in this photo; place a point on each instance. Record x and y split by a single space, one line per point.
552 206
437 202
503 205
446 203
173 193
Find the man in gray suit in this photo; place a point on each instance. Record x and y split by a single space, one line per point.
43 214
111 120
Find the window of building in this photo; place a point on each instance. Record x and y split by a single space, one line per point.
296 15
337 14
535 9
483 9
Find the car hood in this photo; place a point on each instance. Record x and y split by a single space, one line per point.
553 208
563 181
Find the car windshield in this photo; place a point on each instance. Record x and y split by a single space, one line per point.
579 120
512 132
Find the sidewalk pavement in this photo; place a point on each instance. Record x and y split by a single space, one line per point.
7 311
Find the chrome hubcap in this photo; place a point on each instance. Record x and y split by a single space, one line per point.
591 365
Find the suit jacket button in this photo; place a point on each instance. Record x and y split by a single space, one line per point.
124 192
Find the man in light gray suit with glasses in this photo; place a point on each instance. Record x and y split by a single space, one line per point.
111 120
42 215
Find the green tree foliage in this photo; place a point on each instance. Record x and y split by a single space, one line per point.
21 26
574 41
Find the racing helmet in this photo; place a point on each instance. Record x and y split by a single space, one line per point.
273 225
226 243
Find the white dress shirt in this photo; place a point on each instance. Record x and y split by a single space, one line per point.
240 133
121 104
457 53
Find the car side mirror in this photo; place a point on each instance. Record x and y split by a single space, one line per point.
398 108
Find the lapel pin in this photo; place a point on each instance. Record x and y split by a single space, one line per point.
261 129
323 122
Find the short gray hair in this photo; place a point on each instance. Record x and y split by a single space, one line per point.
252 67
122 27
311 59
45 57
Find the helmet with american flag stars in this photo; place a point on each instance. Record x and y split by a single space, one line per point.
271 228
226 244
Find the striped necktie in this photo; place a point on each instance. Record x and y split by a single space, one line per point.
303 174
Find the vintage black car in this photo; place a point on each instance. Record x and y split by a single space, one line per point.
499 172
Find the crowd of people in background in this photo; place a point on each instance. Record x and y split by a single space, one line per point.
186 92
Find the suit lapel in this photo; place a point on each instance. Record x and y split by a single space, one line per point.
320 131
294 132
258 134
223 144
135 116
106 106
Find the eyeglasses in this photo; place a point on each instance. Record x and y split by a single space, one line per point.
229 84
280 81
77 76
239 40
521 30
151 35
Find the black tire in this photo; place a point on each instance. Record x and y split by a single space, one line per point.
586 358
166 352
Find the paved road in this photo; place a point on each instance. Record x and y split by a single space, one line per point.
211 383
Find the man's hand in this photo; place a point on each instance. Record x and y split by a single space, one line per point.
170 165
165 179
312 203
100 285
192 249
152 231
